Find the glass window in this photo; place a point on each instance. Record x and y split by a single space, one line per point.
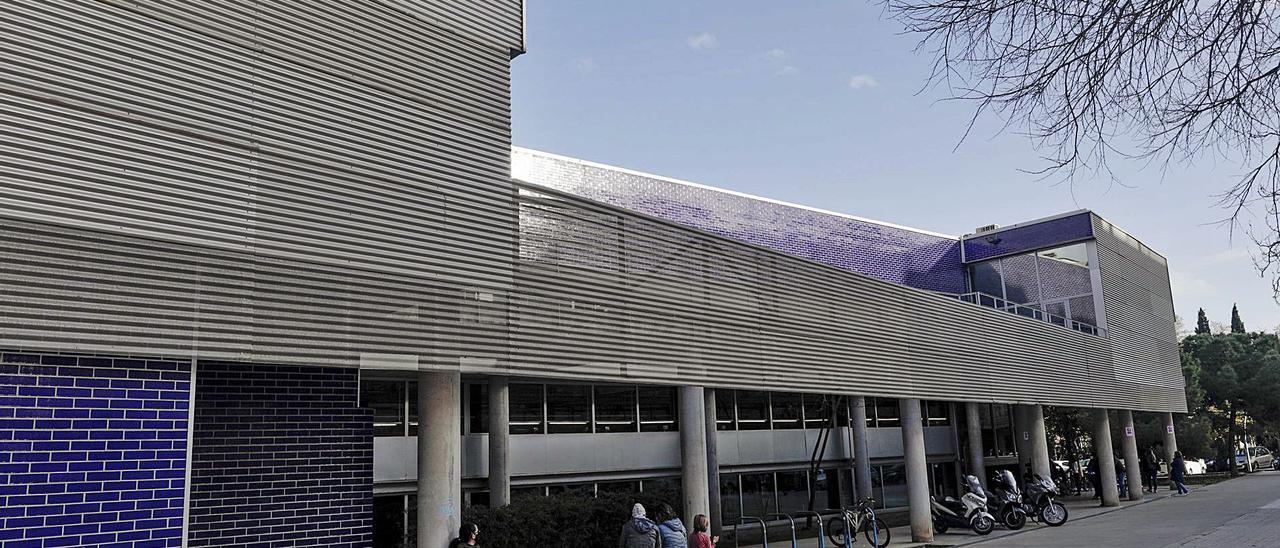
877 486
887 412
1075 254
478 498
663 488
793 491
658 409
618 487
572 489
1082 310
528 491
389 521
894 483
526 409
725 408
942 479
730 498
758 497
817 410
1020 283
937 413
986 278
386 398
870 407
753 410
786 410
478 404
1064 272
411 521
615 408
568 409
826 490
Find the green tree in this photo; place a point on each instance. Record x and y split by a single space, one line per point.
1237 325
1239 373
1202 323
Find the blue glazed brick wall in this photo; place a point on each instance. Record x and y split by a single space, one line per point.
92 450
1027 238
899 255
281 456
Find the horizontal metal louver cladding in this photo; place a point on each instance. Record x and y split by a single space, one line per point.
608 294
284 181
1140 317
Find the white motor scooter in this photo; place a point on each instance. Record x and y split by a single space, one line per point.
970 511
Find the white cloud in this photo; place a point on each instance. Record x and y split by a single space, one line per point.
585 65
705 40
775 54
860 81
787 70
1231 255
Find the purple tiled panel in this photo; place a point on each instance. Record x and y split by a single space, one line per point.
93 450
893 254
282 456
1027 238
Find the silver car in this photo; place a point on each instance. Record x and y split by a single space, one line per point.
1259 458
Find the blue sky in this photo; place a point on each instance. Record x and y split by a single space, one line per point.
823 103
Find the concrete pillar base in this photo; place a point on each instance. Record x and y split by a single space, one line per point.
1132 465
499 442
1105 456
861 452
439 457
976 455
913 453
693 452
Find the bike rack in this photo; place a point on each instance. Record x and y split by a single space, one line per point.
764 529
790 520
848 525
822 534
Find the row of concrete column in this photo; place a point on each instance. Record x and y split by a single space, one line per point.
440 453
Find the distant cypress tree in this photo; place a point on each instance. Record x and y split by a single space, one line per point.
1237 325
1202 323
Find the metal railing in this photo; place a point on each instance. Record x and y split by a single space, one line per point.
1026 310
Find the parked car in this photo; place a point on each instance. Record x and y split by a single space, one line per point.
1197 466
1259 458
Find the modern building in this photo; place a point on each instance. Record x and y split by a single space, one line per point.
268 279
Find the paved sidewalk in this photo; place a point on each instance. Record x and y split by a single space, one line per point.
1077 508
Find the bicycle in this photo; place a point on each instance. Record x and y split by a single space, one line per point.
861 518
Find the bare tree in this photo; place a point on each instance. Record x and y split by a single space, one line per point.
1156 80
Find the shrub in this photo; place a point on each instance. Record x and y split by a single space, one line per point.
568 520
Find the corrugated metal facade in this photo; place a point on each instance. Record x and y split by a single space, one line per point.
308 182
604 293
1139 316
285 180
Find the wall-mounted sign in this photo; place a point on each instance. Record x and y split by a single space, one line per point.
1128 431
1169 429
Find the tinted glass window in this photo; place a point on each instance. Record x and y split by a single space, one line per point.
615 408
786 410
758 494
658 409
937 413
894 481
389 521
729 498
724 410
1020 284
478 405
793 491
986 278
526 409
568 409
817 410
887 412
753 410
386 398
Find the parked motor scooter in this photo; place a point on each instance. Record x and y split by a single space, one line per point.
1005 502
1039 502
970 511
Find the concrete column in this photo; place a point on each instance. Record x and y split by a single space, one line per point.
1021 438
917 470
973 429
1130 447
439 457
1105 456
499 442
693 452
1170 438
861 453
1039 444
713 464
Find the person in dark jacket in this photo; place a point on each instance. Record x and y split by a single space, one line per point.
1095 478
639 531
1150 467
671 529
468 535
1178 472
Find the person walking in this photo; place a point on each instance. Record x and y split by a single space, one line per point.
1095 478
1151 467
468 535
701 537
671 529
1177 473
639 531
1122 475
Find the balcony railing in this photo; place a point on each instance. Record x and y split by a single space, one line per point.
1030 311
